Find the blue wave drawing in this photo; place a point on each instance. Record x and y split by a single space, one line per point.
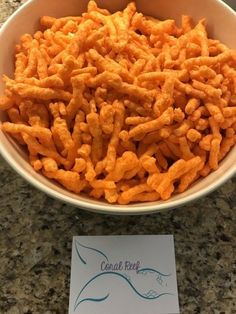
150 295
78 244
159 276
127 276
145 271
93 300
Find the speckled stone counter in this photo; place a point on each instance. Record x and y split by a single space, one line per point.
36 234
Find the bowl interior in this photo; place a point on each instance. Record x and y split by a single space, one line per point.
221 20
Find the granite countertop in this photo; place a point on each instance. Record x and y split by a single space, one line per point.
36 235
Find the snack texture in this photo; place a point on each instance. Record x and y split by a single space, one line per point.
122 107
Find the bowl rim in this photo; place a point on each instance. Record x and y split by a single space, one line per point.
143 208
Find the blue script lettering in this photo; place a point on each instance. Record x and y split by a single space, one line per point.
132 265
111 267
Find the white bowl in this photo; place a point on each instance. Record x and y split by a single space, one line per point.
221 21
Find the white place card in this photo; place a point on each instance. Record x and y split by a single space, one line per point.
123 275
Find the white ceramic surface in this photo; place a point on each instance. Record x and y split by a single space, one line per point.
221 21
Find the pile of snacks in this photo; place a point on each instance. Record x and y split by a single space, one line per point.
122 106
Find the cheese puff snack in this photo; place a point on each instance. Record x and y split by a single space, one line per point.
121 106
